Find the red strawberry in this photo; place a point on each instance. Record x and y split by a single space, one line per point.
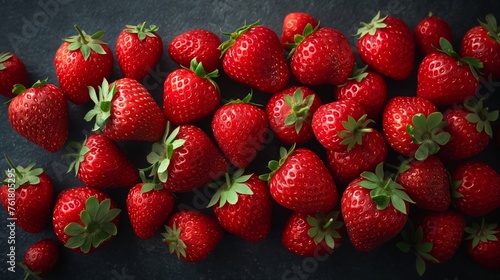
243 206
311 235
483 43
374 208
138 50
197 43
413 126
445 78
428 32
100 163
290 114
192 235
40 259
240 128
82 61
12 72
85 219
126 111
476 188
483 244
190 95
301 182
387 45
253 57
27 195
294 24
40 114
322 56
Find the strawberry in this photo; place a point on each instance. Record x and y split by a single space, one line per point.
243 206
240 128
301 182
311 235
374 208
321 56
483 244
138 50
196 43
12 72
445 78
294 24
253 57
40 114
27 194
428 31
100 163
413 126
476 188
483 43
470 128
192 235
186 159
40 259
387 45
85 219
82 61
190 95
365 87
290 114
125 110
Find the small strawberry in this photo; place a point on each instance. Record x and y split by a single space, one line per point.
82 61
40 259
85 219
243 206
138 50
387 45
445 79
125 110
483 244
294 24
290 114
428 32
12 72
100 163
33 198
192 235
40 114
190 95
253 57
197 43
301 182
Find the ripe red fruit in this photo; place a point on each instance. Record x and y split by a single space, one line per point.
40 114
294 24
12 72
82 61
138 50
428 32
40 259
483 244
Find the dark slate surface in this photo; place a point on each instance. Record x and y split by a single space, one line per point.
33 30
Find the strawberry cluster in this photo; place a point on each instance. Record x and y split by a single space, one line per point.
428 139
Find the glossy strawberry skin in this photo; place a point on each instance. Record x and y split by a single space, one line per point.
33 204
477 43
14 73
294 24
199 43
427 33
42 256
324 57
486 254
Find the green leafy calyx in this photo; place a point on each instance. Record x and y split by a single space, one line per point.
298 38
79 156
246 100
225 46
354 131
22 176
149 184
86 43
491 27
481 116
172 236
102 108
474 64
300 109
142 31
427 133
482 233
230 190
198 69
325 228
358 74
371 28
4 56
28 273
275 165
413 242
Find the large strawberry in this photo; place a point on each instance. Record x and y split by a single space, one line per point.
190 94
27 194
243 206
294 24
138 50
428 31
100 163
125 110
253 57
40 259
445 78
85 219
12 72
192 235
82 61
301 182
387 45
40 114
483 244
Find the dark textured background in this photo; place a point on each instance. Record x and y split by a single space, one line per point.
33 30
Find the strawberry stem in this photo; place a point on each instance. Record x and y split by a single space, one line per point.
81 34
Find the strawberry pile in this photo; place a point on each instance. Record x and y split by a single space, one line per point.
356 166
